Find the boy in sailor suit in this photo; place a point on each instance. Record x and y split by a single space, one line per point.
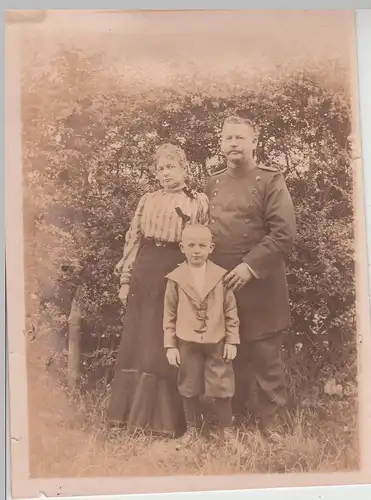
201 331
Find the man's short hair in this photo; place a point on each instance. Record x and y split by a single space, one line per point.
239 120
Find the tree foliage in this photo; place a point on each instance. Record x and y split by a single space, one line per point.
88 143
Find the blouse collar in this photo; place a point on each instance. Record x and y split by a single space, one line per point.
177 189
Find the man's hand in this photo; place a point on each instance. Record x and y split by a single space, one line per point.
123 294
230 352
173 356
238 277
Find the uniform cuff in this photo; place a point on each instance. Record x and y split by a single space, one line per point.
256 276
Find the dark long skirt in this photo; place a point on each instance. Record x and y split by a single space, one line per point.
144 389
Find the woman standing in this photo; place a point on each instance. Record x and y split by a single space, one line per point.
144 392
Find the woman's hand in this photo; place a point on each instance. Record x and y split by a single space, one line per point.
123 294
173 356
118 268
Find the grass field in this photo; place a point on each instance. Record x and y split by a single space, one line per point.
68 438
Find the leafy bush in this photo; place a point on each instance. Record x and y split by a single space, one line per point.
88 141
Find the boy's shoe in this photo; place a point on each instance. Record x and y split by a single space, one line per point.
200 422
189 437
245 421
229 437
277 428
274 434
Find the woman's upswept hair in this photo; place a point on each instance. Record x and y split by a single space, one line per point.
171 151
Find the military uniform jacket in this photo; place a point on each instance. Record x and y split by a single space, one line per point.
252 220
206 318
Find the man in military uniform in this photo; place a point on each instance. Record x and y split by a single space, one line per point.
253 223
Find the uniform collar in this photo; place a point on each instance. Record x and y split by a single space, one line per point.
242 172
182 276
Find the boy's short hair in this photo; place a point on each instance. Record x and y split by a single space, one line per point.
189 227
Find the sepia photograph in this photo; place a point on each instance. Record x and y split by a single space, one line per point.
189 241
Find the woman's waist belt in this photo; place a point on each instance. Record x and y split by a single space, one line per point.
160 243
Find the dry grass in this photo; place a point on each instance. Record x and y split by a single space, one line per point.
68 438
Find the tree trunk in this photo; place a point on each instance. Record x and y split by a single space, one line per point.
74 341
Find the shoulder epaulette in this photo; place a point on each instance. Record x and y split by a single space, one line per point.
220 171
270 169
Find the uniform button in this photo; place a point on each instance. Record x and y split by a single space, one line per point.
212 221
245 235
253 191
217 181
212 206
258 178
246 221
251 206
215 193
